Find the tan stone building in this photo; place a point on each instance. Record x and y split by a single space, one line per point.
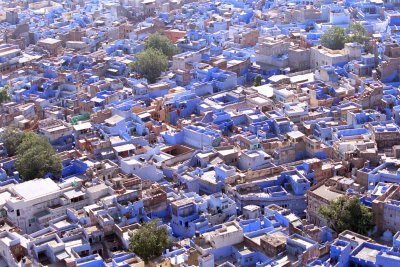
51 45
324 193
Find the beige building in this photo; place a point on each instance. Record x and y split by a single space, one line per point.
182 61
51 45
229 234
299 58
385 135
321 56
324 193
272 52
54 129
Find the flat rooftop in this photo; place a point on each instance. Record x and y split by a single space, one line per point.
50 41
36 188
302 241
368 254
4 196
324 192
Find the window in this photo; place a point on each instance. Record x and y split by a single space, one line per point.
18 213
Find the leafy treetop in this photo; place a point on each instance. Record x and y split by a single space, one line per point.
149 241
161 43
347 213
36 157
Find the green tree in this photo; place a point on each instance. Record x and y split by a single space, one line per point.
149 241
36 157
12 137
347 213
334 38
257 80
358 33
150 64
162 43
4 96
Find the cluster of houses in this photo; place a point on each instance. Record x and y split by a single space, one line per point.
235 170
